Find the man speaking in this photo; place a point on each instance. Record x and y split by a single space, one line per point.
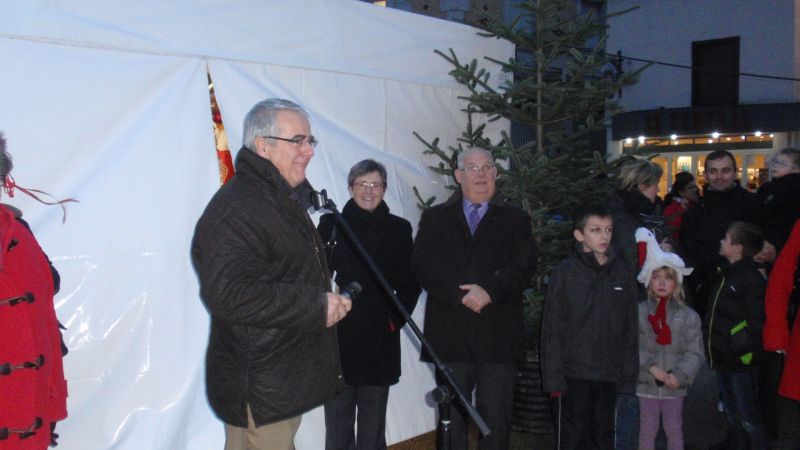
272 352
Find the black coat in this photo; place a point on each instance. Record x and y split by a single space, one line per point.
369 336
704 225
500 258
631 210
590 323
776 209
735 316
263 278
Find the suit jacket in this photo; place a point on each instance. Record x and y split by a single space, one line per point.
499 258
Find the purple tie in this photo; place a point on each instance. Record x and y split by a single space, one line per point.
474 218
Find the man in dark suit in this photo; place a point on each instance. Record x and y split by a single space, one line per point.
474 255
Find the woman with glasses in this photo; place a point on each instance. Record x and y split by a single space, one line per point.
776 209
778 200
369 337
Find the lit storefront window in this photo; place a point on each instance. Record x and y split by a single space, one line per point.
687 153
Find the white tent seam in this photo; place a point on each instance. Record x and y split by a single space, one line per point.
116 48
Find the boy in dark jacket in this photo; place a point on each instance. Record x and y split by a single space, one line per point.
734 323
589 335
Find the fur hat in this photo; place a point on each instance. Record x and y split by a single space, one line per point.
652 257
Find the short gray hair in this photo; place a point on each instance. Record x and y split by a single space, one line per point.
262 119
5 160
364 167
639 171
791 153
470 151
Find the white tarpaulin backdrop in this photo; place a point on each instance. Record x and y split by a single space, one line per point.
108 103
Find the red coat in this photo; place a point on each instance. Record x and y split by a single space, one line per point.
28 331
777 335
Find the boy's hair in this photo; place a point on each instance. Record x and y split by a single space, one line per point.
791 153
747 235
678 294
583 214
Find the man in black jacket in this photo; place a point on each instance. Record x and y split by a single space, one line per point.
272 352
704 224
474 256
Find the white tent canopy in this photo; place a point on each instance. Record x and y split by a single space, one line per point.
107 102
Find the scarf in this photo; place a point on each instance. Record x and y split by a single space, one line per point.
659 323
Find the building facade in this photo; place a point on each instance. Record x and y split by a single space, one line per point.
725 77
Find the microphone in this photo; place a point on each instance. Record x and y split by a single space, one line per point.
351 290
319 200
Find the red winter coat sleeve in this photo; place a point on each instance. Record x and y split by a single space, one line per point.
777 335
779 288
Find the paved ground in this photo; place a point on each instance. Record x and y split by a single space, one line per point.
703 424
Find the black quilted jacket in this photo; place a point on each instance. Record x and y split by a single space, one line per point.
263 278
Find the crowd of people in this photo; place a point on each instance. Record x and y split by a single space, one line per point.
284 340
734 312
653 291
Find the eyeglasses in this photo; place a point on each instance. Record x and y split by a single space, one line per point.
297 140
363 185
478 169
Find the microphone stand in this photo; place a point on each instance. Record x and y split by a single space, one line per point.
443 394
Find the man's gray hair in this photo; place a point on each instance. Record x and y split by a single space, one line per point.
364 167
470 151
5 160
262 120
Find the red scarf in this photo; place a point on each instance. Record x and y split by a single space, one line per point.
659 323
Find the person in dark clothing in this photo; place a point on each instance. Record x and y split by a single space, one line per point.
776 208
733 329
272 351
589 344
777 204
474 255
723 202
369 337
634 205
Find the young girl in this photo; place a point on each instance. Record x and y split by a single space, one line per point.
670 352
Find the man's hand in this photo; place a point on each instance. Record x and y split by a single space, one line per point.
767 253
338 307
475 298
